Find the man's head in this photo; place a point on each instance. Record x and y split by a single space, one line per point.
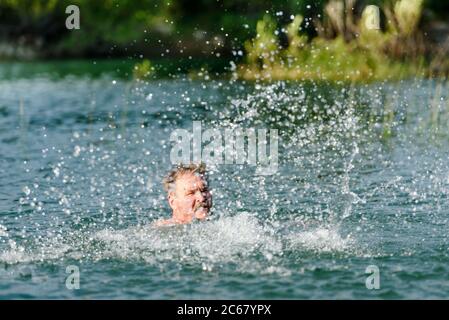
188 193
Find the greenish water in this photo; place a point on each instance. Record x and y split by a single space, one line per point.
363 179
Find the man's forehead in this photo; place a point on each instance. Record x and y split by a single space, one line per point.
191 181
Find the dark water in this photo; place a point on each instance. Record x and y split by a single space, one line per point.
363 180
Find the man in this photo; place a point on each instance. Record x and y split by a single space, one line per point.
188 194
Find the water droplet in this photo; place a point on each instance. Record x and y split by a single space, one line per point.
76 151
26 190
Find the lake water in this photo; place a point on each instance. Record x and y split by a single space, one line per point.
362 182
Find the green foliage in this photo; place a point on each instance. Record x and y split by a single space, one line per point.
283 44
407 14
143 70
296 42
30 8
263 49
363 58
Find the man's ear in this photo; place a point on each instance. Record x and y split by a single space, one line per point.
171 199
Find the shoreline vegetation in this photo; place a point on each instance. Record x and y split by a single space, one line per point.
355 52
326 40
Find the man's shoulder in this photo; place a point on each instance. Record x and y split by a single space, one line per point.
164 222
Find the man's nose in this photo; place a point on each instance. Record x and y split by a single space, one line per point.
200 196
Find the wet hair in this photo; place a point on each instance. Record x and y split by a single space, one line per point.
180 170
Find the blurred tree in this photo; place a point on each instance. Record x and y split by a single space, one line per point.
120 27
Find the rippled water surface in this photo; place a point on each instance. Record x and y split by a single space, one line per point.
363 179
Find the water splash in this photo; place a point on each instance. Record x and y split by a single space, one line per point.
3 231
360 177
322 239
242 240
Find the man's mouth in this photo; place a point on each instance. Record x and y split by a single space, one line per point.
201 206
201 211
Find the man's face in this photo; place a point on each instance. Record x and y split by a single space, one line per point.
191 198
